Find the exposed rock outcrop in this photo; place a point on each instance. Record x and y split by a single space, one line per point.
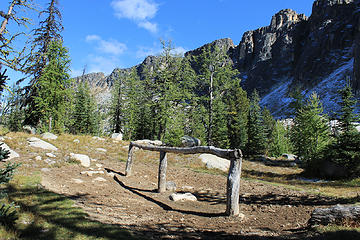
315 53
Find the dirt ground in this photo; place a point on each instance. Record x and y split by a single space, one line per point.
267 211
134 203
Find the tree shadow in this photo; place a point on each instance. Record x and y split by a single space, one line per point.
113 171
55 217
163 205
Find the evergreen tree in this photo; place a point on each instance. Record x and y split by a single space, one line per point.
14 113
45 36
310 133
216 78
53 89
85 115
345 150
238 110
11 56
269 128
256 135
194 112
280 142
117 105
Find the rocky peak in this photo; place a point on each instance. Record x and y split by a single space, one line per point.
93 79
285 17
224 44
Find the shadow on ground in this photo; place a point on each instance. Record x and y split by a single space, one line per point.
55 217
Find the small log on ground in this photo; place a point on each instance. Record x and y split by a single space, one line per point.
334 215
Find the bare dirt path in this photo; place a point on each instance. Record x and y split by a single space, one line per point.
134 203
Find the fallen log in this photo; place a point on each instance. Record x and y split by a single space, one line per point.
334 215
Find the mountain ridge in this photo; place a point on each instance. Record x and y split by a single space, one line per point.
312 53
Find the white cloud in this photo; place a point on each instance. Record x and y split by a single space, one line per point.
90 38
135 9
110 46
143 51
102 64
151 27
140 11
179 51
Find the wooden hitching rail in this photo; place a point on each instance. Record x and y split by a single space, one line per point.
233 179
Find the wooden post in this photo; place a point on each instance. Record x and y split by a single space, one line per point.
129 161
162 172
233 185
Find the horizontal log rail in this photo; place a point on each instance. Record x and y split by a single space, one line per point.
223 153
233 179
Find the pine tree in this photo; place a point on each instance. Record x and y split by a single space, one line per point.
238 110
45 36
280 142
310 133
216 77
53 89
345 150
85 115
11 56
256 135
117 105
269 128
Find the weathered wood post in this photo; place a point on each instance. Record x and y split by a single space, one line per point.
129 160
162 172
233 184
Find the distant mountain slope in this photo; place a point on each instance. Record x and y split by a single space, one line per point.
315 53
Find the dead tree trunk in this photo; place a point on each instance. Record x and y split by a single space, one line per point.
162 173
233 187
129 160
336 214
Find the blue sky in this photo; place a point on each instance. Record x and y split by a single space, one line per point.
104 34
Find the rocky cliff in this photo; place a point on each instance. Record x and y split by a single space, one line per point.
315 53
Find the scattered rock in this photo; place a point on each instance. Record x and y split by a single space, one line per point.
76 180
38 158
290 157
187 188
213 161
99 179
188 141
90 173
117 136
110 174
76 141
98 138
83 159
182 197
29 129
2 139
38 143
49 161
98 165
12 155
50 155
170 186
49 136
101 150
